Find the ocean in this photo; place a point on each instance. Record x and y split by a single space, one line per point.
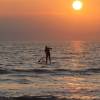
74 73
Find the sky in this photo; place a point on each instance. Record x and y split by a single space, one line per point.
49 20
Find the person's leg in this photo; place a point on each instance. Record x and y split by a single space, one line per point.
46 58
49 58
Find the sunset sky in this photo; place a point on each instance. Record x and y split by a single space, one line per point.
49 20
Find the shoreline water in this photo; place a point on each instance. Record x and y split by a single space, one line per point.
42 98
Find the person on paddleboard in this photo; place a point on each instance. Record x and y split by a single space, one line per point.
47 53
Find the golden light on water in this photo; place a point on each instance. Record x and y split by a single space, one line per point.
77 46
77 5
77 49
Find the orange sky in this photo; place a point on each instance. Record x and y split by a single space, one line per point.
49 19
45 7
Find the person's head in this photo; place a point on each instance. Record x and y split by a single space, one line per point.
46 46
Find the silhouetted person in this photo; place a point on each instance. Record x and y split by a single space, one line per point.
48 55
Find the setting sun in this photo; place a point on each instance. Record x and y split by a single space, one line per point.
77 5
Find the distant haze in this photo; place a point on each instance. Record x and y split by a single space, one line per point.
49 20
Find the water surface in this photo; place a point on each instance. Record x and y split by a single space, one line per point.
74 72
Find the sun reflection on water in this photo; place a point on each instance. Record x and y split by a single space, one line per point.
78 55
77 46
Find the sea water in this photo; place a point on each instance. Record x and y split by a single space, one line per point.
74 72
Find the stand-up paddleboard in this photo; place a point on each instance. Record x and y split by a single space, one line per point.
42 62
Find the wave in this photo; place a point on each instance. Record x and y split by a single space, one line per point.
4 71
40 98
54 71
61 71
33 70
85 71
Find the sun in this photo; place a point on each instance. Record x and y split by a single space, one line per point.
77 5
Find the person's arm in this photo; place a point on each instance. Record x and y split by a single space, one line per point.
50 48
